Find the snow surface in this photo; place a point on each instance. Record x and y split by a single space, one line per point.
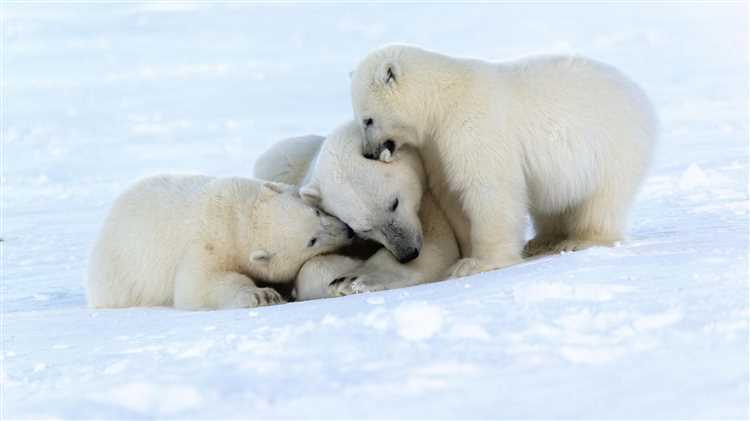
97 95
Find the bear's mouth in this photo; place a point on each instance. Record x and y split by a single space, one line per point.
390 145
384 152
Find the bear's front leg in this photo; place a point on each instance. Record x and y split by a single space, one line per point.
199 285
316 274
367 280
247 296
380 272
222 290
496 219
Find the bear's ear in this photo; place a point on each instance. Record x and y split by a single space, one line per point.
277 187
260 256
310 194
390 73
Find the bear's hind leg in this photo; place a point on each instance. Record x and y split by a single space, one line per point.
598 221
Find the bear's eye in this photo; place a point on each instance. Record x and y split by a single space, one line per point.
317 213
312 242
394 205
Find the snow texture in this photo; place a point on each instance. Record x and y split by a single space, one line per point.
97 95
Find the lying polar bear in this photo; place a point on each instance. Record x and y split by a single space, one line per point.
382 202
202 243
565 138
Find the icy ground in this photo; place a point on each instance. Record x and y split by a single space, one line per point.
97 95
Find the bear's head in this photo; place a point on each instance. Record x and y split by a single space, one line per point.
379 201
286 232
391 100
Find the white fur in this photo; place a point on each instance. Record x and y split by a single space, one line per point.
564 138
201 243
314 279
289 164
360 192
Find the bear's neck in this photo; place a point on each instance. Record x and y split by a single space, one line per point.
445 92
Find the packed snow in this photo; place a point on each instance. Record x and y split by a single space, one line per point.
97 95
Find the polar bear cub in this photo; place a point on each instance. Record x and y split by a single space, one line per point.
566 139
198 242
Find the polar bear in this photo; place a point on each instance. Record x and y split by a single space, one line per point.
386 203
199 242
566 139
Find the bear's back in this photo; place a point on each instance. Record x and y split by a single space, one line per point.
289 160
141 241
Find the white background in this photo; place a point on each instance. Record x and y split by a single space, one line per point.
99 94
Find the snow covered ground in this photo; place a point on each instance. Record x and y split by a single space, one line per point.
97 95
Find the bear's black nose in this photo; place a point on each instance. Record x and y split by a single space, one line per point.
390 145
367 122
413 254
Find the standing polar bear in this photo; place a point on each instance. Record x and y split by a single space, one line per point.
386 203
204 243
567 139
